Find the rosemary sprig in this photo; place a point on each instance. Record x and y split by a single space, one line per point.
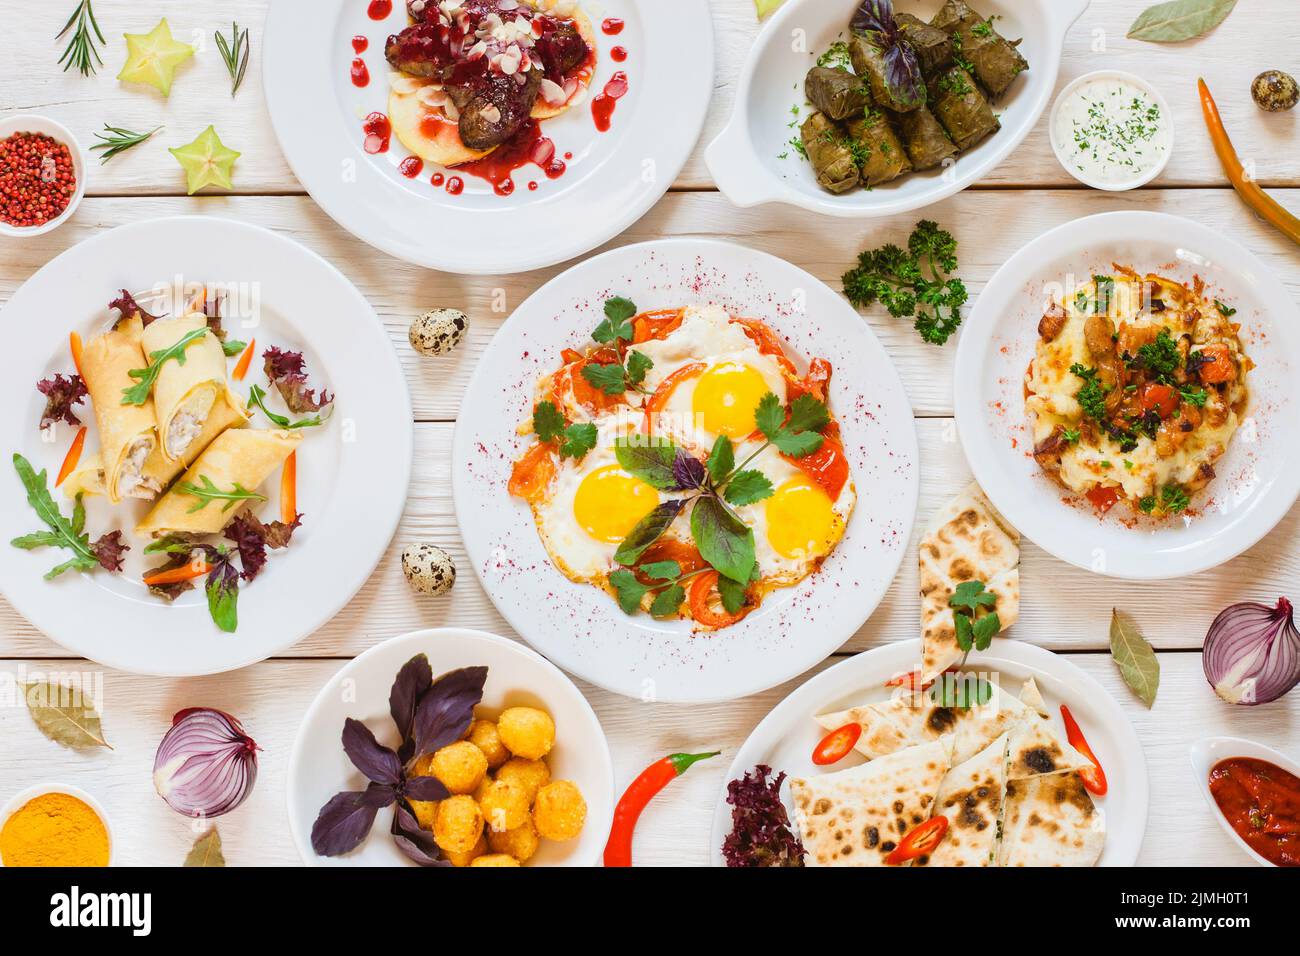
207 491
235 54
81 47
116 140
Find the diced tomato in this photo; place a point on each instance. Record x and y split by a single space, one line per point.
1103 498
816 383
656 325
919 841
532 473
684 553
768 343
1158 398
703 608
584 393
827 467
1217 365
1094 778
659 400
836 745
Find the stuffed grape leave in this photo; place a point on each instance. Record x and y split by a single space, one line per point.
869 62
837 93
878 149
995 60
962 109
829 150
927 142
933 46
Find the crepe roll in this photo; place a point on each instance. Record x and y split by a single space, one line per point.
238 458
185 393
126 432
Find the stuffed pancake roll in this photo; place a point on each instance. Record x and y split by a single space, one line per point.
961 108
126 432
185 393
884 157
236 464
995 60
828 150
837 93
869 63
926 140
933 46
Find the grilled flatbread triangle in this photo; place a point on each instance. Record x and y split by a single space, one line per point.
968 540
1036 748
1050 820
857 816
971 798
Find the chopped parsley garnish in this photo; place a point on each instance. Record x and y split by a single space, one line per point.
1092 396
1160 358
1224 310
1172 500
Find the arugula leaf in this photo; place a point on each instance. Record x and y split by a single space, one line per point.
662 570
138 393
232 347
649 458
647 531
668 602
610 379
722 459
725 541
207 491
257 399
629 590
617 324
62 532
748 487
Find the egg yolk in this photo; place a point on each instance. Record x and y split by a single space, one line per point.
726 397
800 520
610 502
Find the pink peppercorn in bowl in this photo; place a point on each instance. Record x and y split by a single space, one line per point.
42 175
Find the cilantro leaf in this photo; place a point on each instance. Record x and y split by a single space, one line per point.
617 324
629 590
769 416
984 630
733 594
807 414
797 445
668 602
548 422
722 459
748 487
610 379
578 440
637 366
972 595
662 570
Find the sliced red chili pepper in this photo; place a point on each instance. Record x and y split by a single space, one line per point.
836 745
618 851
919 841
1094 778
656 325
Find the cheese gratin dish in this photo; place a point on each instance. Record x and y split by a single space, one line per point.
1137 387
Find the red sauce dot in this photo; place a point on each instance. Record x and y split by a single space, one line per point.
360 74
504 188
455 185
618 54
411 167
360 44
378 132
612 26
602 107
568 156
533 186
380 9
437 179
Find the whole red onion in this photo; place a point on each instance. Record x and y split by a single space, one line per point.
206 765
1252 653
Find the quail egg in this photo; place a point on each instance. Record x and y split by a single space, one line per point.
438 331
428 569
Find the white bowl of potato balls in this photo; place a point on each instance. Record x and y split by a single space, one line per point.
527 781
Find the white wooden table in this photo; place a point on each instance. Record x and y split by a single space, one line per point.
1064 609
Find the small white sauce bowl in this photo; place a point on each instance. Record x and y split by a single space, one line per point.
20 800
31 123
1062 150
1207 753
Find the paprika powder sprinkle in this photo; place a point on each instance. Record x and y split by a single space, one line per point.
37 179
54 829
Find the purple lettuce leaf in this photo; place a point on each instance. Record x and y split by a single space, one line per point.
125 304
377 762
61 393
446 709
108 551
345 821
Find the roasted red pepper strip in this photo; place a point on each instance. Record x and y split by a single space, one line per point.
919 841
836 745
618 851
1094 778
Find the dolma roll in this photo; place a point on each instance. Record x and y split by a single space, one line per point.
933 46
240 460
828 150
882 153
961 108
926 140
187 389
994 59
869 62
837 93
126 432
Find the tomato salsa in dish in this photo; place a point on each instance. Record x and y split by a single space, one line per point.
1262 803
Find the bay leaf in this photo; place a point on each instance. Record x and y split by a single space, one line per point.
206 851
64 714
1134 657
1179 20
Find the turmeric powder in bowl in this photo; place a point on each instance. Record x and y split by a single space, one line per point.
54 829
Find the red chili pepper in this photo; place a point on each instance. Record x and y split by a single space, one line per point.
618 851
919 841
836 745
1094 778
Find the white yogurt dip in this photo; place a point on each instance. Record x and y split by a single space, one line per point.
1112 130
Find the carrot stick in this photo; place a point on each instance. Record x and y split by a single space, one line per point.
176 575
199 301
245 360
74 343
73 456
289 490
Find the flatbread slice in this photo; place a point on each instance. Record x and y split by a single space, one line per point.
1050 820
971 798
1032 697
857 816
968 540
1036 748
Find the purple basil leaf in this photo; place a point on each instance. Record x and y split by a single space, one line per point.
688 470
874 16
446 709
903 74
427 789
412 680
369 756
344 822
416 843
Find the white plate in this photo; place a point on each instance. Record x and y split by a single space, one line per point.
517 677
612 180
753 162
786 737
1205 754
1258 481
580 627
352 473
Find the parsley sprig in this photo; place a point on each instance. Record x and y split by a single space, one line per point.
975 631
916 282
617 377
574 440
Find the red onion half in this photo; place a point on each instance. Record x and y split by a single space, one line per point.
206 765
1252 653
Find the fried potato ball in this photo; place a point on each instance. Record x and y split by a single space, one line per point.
560 810
426 811
467 859
505 805
527 732
482 788
531 774
520 843
458 825
460 766
483 735
495 859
